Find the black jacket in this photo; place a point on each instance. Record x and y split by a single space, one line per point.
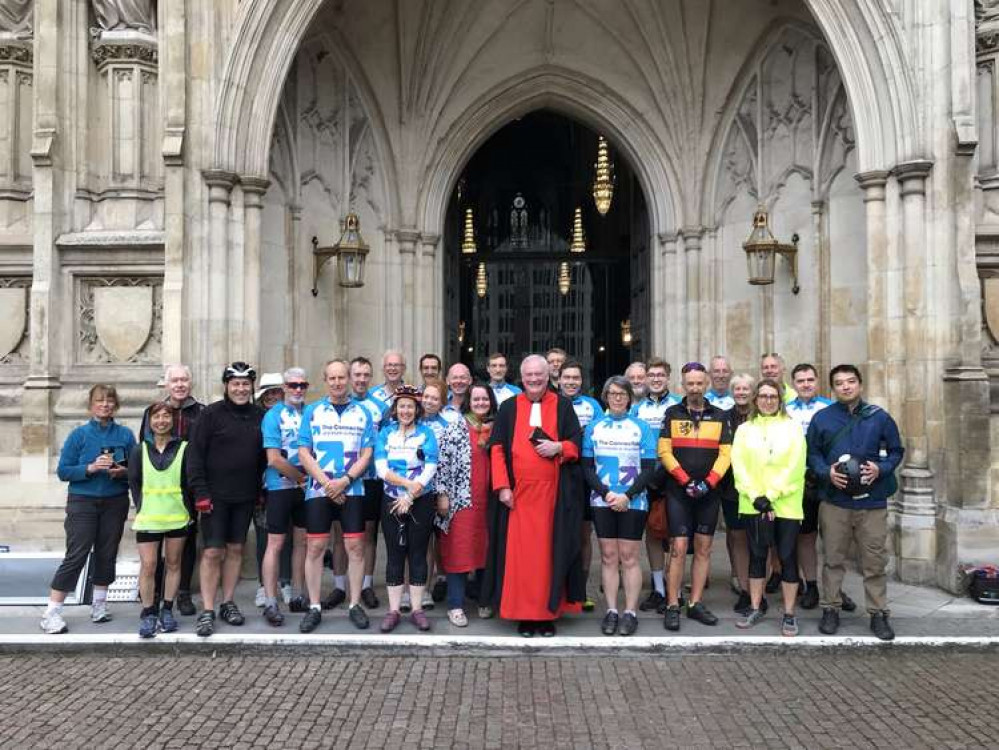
226 457
187 415
567 570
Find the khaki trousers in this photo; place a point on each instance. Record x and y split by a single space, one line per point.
839 526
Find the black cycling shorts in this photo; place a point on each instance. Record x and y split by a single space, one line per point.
810 505
374 490
321 512
228 523
613 524
689 516
142 537
285 507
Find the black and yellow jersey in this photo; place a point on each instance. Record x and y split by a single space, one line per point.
695 445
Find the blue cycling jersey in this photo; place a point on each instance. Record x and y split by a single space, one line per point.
587 409
617 445
336 440
379 411
802 411
438 424
503 391
280 430
723 401
413 456
651 410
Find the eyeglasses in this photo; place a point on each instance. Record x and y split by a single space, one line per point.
298 386
617 394
767 397
693 367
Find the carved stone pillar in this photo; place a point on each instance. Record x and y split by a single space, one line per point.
692 256
15 132
408 240
430 326
673 317
253 193
916 523
820 242
873 184
215 345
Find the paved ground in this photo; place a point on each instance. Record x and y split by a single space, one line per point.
852 698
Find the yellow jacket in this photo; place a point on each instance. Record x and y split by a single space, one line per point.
768 459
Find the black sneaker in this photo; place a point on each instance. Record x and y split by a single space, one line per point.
810 598
672 619
311 621
229 612
743 604
439 591
273 615
359 617
702 614
848 605
629 623
830 621
204 626
609 625
369 598
335 599
527 628
773 583
184 604
546 628
881 627
298 604
652 602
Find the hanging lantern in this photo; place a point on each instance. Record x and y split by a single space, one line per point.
350 252
468 243
578 244
603 182
626 332
481 283
564 279
762 249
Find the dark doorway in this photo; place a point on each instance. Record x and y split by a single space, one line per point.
523 186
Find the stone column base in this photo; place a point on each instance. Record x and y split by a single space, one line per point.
966 536
915 542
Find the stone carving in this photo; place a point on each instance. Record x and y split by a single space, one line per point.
107 50
14 314
117 15
120 320
986 26
990 304
16 18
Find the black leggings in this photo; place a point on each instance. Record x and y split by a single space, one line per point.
418 526
786 543
92 523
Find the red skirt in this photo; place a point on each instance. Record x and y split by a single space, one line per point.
464 546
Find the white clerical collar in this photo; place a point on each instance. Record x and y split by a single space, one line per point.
535 420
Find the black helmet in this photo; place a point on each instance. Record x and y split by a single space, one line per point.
238 370
850 466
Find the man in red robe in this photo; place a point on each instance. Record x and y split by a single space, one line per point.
534 571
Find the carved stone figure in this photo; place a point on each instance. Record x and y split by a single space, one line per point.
986 10
16 17
117 15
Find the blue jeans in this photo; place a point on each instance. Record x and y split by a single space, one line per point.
456 590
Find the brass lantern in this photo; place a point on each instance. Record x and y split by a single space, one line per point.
578 244
626 332
350 252
603 182
762 249
481 282
564 279
468 243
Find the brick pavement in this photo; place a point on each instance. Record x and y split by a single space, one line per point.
888 698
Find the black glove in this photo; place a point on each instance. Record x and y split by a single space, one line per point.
763 504
697 488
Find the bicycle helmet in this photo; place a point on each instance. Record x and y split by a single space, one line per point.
238 370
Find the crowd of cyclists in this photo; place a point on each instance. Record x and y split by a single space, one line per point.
776 461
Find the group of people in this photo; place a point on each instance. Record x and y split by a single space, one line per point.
486 491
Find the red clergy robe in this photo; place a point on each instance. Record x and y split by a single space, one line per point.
529 539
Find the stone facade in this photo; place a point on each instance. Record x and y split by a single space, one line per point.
165 166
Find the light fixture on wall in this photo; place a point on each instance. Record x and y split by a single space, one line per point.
578 244
564 279
461 332
603 182
481 282
626 332
350 252
762 249
468 243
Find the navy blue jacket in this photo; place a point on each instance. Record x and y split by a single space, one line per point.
872 430
83 445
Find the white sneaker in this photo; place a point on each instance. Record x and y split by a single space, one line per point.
457 617
261 598
53 624
286 593
99 612
428 600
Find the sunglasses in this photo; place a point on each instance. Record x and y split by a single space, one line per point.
693 367
298 386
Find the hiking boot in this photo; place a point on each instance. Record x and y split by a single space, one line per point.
672 619
204 626
750 619
881 627
830 621
702 614
359 617
230 613
311 620
273 615
629 624
609 625
652 602
185 605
